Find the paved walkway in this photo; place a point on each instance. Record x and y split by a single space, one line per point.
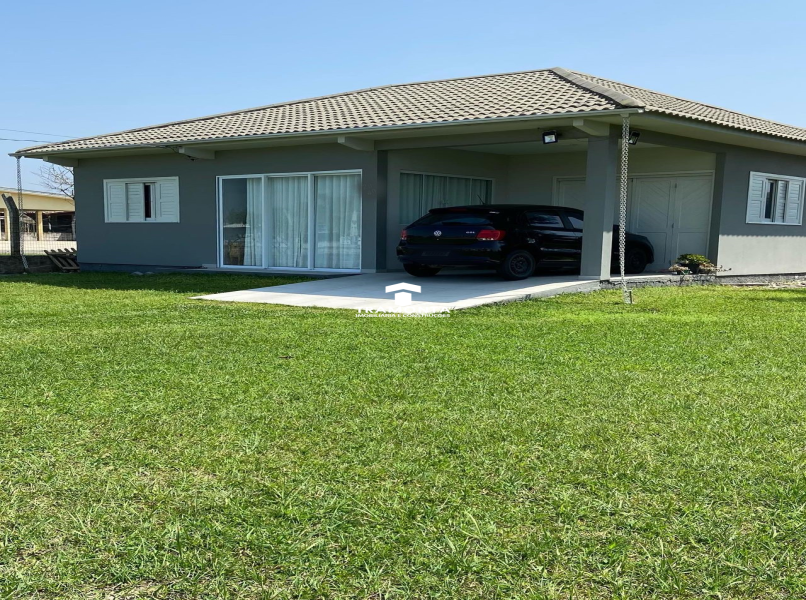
450 291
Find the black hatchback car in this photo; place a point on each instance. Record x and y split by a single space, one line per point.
513 239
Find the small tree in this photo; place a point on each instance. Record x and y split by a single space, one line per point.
59 180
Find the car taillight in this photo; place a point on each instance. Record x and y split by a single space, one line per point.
404 235
490 235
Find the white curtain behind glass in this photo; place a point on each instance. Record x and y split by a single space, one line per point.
253 243
481 192
338 221
411 196
420 193
457 192
433 193
288 221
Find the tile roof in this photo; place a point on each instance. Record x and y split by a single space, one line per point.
531 93
678 107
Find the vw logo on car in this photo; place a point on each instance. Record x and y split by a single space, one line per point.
437 233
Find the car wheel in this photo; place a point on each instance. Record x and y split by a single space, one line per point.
420 270
519 264
635 260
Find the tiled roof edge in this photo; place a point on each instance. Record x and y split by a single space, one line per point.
622 99
44 147
681 99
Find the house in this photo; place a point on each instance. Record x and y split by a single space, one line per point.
326 184
46 217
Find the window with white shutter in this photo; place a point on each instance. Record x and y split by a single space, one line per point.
775 199
143 200
135 211
115 201
166 201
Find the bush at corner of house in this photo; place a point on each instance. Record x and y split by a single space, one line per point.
691 260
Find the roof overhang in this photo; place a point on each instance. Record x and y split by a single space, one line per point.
717 135
331 136
709 137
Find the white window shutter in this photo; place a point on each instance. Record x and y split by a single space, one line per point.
755 198
115 202
782 194
135 209
167 201
794 202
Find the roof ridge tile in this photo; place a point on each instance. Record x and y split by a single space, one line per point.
623 99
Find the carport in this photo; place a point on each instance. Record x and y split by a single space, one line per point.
669 192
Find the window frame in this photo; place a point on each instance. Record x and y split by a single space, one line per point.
549 211
142 180
777 180
311 221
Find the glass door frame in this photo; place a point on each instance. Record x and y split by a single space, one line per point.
266 225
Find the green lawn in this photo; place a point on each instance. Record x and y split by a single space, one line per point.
160 447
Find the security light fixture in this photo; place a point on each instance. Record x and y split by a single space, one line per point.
550 137
634 138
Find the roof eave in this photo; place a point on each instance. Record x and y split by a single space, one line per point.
723 135
43 151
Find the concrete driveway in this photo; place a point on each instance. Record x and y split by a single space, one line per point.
449 291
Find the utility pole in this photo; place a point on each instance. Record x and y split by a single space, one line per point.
13 224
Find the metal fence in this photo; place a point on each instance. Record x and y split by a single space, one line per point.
39 231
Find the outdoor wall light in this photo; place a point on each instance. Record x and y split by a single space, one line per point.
550 137
634 138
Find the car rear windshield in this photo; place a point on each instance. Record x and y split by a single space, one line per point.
458 218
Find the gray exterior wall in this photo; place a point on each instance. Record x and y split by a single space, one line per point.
193 241
753 248
743 248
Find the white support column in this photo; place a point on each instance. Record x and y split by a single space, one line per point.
601 192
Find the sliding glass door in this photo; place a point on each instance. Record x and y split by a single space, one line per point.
287 208
338 221
242 222
294 221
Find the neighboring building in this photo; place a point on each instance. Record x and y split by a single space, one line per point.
45 216
326 184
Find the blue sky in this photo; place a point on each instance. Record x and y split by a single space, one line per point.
88 67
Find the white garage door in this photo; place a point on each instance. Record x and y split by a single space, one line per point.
673 211
571 192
